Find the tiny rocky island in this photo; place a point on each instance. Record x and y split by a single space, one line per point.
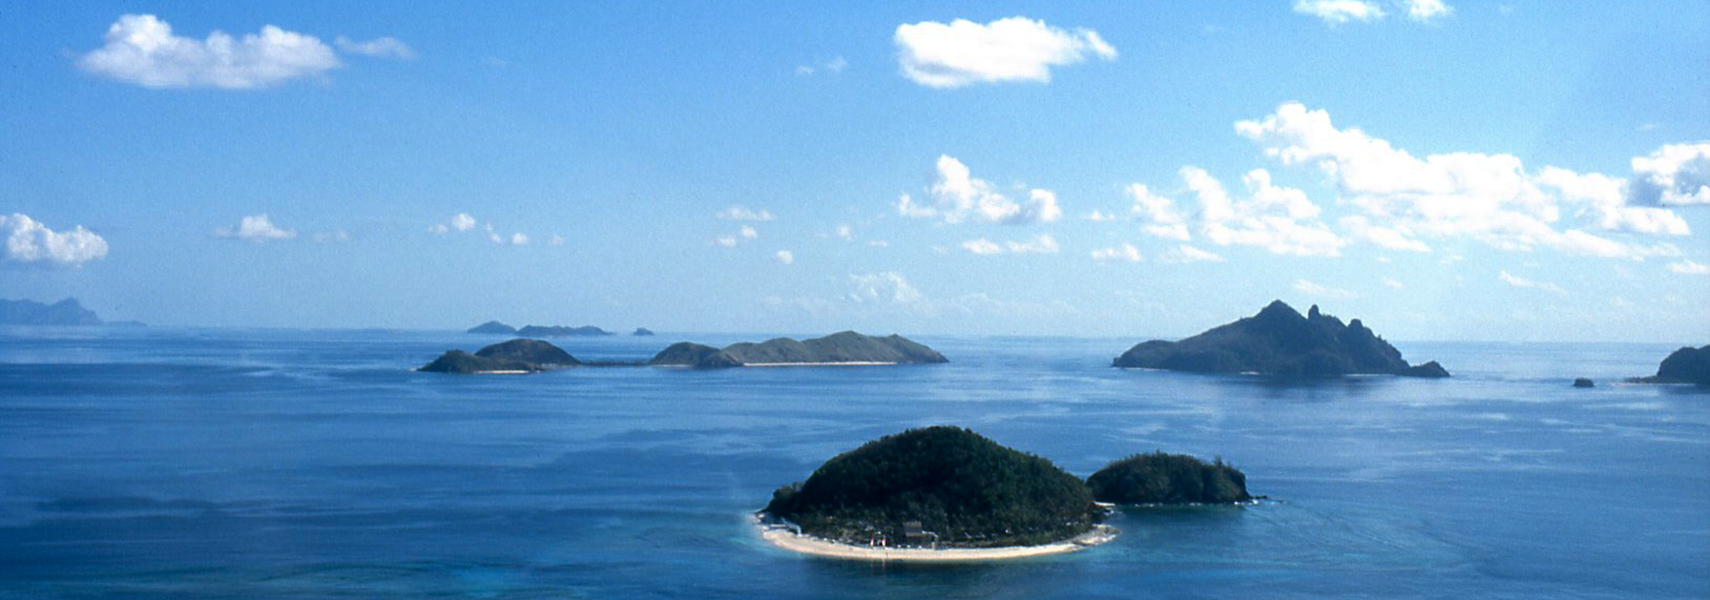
1160 478
1686 365
515 356
1280 341
843 348
936 487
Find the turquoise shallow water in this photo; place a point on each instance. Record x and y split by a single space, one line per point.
311 464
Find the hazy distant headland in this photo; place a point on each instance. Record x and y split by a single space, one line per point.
1280 341
65 313
842 348
1686 365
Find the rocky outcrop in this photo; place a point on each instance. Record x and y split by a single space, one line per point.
1159 478
642 332
1280 341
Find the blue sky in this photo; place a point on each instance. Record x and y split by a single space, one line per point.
1514 170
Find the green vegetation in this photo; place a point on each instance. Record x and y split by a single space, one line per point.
523 355
1280 341
1159 478
967 489
841 347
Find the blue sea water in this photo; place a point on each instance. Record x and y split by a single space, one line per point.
173 463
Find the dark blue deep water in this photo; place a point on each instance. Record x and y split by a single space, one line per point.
226 463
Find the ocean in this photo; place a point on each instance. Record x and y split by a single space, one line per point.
191 463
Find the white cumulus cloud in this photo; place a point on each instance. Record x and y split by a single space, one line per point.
1337 12
785 257
30 242
141 49
1184 254
1427 10
1488 197
1323 291
963 52
256 228
1674 174
958 196
458 222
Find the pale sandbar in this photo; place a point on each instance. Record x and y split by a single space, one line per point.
783 537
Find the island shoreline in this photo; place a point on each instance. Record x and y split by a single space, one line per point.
782 537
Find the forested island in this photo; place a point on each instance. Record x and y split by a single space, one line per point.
1160 478
947 493
847 347
1686 365
514 356
1280 341
965 489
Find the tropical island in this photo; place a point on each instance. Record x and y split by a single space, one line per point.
512 357
1280 341
642 332
1686 365
935 493
842 348
65 313
1160 478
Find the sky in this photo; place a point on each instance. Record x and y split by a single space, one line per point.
1443 170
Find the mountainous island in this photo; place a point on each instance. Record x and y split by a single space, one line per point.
1280 341
65 313
941 486
642 332
1686 365
1159 478
515 356
845 347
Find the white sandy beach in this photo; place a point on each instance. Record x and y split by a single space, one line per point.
783 537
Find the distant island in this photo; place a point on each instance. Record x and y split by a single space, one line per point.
843 348
1159 478
560 331
936 487
497 328
515 356
1686 365
65 313
642 332
1280 341
493 328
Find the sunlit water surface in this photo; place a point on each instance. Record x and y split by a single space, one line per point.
287 464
